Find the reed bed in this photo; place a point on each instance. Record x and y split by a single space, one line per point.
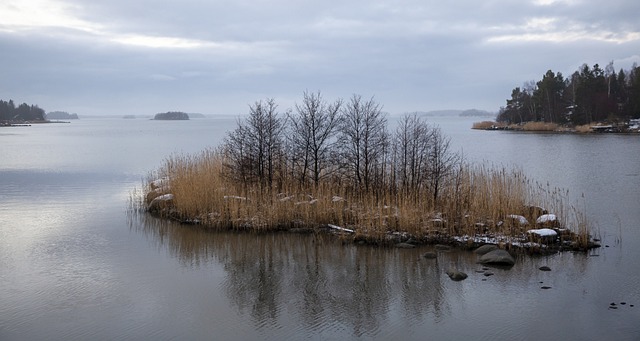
585 128
485 125
475 201
540 126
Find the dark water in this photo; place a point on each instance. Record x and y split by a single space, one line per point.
75 265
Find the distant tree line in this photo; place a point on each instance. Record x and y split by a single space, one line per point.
23 112
61 115
591 94
338 143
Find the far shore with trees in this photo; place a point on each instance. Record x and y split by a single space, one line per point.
10 114
334 165
592 99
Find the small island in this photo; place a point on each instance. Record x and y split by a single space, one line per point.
171 115
61 115
405 188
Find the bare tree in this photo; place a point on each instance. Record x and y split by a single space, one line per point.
312 131
238 159
254 150
362 142
412 143
442 162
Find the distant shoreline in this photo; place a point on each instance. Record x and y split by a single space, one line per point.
27 123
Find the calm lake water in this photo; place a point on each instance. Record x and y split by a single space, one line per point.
75 265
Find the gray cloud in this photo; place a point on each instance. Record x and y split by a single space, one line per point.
215 57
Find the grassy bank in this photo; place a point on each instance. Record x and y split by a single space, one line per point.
594 127
477 204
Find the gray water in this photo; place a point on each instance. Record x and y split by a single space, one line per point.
75 265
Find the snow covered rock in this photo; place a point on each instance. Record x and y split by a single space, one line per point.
498 256
518 219
548 220
544 232
161 203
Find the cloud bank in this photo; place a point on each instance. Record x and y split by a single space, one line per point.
143 57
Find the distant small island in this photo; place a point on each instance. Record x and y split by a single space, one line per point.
60 115
171 115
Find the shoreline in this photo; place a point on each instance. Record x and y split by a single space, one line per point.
553 128
563 240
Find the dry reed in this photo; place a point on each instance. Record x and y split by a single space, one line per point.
484 125
540 126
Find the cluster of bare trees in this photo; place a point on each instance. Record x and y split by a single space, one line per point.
338 144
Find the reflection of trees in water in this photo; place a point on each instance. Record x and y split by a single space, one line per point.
314 278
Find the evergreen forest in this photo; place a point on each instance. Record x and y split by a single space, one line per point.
590 94
23 112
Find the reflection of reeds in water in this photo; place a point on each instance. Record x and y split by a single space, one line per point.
473 200
314 277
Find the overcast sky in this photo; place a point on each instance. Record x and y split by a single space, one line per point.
216 57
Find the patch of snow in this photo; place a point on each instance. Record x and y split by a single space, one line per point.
165 197
543 232
228 197
545 218
337 199
336 227
521 220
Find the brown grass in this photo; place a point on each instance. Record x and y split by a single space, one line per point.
540 126
585 128
484 125
475 201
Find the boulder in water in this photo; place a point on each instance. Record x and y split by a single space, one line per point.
498 257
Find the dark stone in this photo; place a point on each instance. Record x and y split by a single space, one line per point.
613 307
623 303
456 275
545 287
498 256
485 248
405 246
488 274
430 255
545 268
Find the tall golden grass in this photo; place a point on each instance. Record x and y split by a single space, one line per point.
475 200
484 125
540 126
